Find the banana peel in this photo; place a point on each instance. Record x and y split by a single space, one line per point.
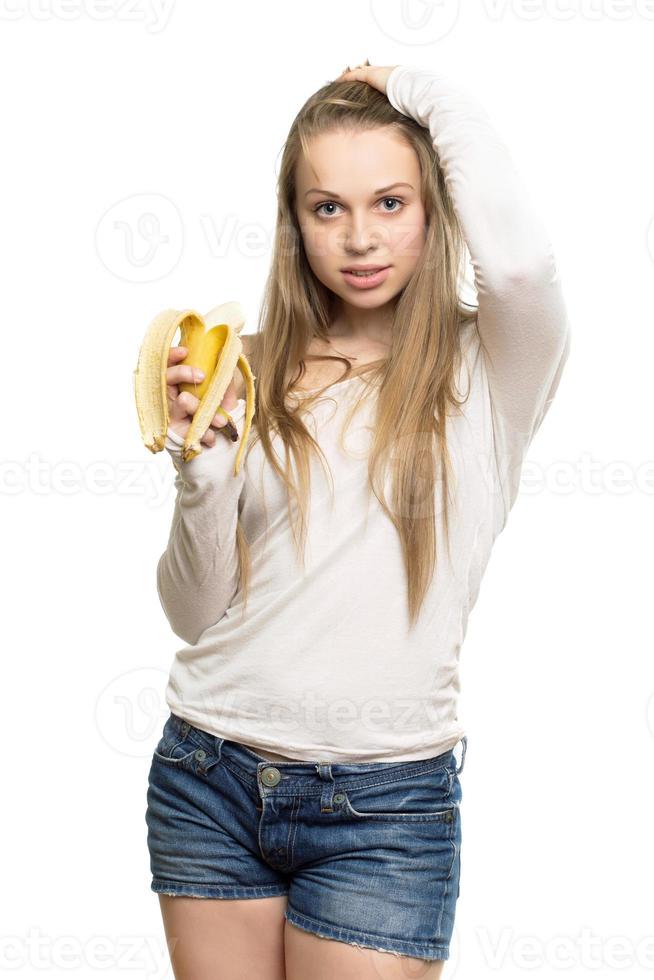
215 347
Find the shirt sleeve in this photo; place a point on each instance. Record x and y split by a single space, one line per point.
197 575
522 319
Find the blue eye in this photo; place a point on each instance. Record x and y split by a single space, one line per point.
393 199
326 204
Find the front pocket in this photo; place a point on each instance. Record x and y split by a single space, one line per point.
174 760
445 814
176 753
419 798
180 750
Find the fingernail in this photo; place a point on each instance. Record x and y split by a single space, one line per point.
198 375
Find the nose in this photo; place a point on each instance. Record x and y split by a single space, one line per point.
361 233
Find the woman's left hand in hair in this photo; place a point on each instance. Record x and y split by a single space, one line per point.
373 75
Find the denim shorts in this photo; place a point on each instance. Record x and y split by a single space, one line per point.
367 853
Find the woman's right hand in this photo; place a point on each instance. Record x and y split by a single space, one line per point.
182 406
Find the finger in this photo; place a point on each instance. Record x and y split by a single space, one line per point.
219 420
229 403
355 75
360 67
176 354
187 403
230 400
178 373
209 438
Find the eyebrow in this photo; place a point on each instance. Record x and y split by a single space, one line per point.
381 190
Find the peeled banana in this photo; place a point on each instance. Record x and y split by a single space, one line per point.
215 347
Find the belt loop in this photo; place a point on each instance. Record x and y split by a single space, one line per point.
464 746
324 770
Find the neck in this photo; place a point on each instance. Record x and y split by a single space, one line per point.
360 325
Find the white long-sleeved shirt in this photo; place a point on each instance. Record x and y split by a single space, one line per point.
324 666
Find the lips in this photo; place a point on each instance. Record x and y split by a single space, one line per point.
363 268
366 279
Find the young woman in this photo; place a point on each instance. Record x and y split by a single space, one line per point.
307 771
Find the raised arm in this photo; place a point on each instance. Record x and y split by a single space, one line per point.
197 575
522 317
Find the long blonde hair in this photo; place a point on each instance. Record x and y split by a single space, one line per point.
415 384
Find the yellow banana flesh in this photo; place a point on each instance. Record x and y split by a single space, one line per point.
215 347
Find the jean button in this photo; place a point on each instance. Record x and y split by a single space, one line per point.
339 797
200 754
271 776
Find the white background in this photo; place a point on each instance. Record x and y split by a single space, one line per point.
140 149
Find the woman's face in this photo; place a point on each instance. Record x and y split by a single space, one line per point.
362 206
